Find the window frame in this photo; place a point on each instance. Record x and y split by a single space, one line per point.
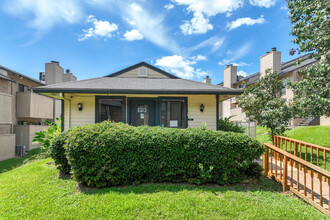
169 98
97 98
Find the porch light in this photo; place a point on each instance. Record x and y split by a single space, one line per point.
202 108
79 106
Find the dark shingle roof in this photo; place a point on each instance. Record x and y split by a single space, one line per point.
136 85
21 75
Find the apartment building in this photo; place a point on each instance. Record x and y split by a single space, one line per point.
22 112
288 70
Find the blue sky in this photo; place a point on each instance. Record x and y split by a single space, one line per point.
189 38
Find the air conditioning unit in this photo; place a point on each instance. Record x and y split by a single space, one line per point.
20 150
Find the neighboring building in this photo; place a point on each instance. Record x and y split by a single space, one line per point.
22 112
287 71
140 95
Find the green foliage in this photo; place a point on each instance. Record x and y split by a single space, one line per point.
311 22
263 103
46 137
111 154
227 125
57 152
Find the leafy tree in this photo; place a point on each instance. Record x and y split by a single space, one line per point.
311 22
47 136
263 104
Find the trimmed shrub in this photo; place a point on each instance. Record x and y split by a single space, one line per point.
112 154
57 152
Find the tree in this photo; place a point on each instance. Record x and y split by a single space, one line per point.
47 136
263 104
311 22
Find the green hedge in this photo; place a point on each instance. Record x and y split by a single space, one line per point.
111 154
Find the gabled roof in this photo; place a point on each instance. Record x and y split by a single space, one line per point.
145 65
137 86
21 75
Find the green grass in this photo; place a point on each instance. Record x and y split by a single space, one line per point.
17 162
35 191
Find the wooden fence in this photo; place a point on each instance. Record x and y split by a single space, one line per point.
304 150
304 179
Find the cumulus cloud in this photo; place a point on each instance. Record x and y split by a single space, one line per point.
202 10
245 21
133 35
242 73
169 6
180 66
100 28
42 15
263 3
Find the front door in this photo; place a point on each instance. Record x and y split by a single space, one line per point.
142 113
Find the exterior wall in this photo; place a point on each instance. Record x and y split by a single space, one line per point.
229 76
31 105
134 74
53 73
26 133
67 77
238 113
74 117
5 108
7 146
270 60
324 120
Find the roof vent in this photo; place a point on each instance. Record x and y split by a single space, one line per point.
274 49
143 72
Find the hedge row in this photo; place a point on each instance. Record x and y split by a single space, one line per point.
111 154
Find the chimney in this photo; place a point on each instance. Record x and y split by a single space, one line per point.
271 60
229 75
53 72
207 80
67 71
42 76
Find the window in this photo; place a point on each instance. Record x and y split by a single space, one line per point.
111 109
142 72
23 88
283 90
173 113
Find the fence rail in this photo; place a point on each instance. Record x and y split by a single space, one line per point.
299 176
304 150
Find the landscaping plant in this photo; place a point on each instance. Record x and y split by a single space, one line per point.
112 154
227 125
46 137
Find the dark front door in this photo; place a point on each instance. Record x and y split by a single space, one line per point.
142 113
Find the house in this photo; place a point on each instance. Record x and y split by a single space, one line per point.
287 71
141 94
22 112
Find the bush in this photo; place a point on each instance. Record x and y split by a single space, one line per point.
112 154
227 125
47 136
57 152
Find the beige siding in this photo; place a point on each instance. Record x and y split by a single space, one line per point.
7 146
5 108
324 120
134 73
31 105
25 135
74 117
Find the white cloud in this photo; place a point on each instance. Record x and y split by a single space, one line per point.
241 64
263 3
199 24
284 7
101 29
202 10
214 43
245 21
150 26
133 35
169 6
199 58
42 15
181 67
242 73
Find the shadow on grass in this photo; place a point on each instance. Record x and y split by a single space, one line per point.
10 164
265 184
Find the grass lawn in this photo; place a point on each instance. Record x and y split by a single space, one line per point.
35 191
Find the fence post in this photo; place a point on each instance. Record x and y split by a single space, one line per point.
275 141
285 174
265 161
295 152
